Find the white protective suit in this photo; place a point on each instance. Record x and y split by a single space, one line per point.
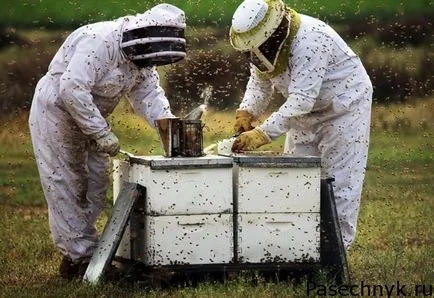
84 83
327 111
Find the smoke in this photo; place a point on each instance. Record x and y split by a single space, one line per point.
206 94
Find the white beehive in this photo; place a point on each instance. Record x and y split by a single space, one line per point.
189 239
278 205
188 210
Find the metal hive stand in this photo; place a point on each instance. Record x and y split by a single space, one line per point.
113 232
332 251
333 254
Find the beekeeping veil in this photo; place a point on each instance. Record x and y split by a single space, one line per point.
155 37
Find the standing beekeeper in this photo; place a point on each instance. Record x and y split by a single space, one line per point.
95 66
327 90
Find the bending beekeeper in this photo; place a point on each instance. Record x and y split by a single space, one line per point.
95 66
328 96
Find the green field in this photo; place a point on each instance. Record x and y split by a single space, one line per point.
68 14
395 235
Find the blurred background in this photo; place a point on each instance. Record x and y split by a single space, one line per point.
394 39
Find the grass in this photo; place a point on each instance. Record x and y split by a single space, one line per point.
67 14
395 235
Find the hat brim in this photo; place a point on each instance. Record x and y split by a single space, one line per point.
247 41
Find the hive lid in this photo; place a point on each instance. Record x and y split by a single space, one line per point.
158 162
275 160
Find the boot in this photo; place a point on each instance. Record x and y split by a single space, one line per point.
68 269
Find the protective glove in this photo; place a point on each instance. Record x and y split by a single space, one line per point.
243 121
108 143
250 140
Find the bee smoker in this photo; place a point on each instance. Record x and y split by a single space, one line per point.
180 137
169 132
191 138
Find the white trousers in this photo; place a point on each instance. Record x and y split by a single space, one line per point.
341 139
74 179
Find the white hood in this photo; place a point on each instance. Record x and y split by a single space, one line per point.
165 15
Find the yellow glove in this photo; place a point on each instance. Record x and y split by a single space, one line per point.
243 121
250 140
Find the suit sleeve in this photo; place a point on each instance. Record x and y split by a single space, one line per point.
258 94
148 98
309 61
89 63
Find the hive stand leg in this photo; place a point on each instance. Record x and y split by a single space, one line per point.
137 227
333 254
112 233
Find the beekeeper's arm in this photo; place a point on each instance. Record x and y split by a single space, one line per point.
88 64
256 99
148 98
309 62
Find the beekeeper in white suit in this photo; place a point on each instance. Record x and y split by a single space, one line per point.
328 96
95 66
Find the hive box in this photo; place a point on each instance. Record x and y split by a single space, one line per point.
186 215
220 210
277 203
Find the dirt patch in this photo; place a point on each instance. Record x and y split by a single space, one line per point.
24 210
7 191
